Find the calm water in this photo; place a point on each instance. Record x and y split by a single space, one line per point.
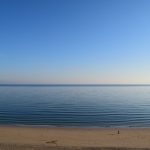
102 106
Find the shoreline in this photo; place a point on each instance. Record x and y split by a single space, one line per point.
82 138
73 127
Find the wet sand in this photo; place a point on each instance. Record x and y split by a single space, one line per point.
42 138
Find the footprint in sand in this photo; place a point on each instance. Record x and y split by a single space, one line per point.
52 142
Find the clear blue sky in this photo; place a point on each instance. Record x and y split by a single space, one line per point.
74 41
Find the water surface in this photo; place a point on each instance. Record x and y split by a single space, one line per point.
84 106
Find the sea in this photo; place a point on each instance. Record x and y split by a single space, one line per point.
75 105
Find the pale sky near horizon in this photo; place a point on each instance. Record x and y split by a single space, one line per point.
75 41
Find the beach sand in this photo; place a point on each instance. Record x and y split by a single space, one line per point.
42 138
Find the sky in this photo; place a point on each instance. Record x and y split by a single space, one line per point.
74 41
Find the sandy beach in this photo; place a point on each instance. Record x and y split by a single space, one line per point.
73 138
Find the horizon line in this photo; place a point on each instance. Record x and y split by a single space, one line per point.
73 84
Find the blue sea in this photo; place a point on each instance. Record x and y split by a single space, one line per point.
75 105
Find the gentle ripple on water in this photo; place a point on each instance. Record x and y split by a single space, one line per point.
101 106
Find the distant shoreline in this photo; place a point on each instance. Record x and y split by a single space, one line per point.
74 84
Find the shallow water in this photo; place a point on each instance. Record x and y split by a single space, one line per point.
84 106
